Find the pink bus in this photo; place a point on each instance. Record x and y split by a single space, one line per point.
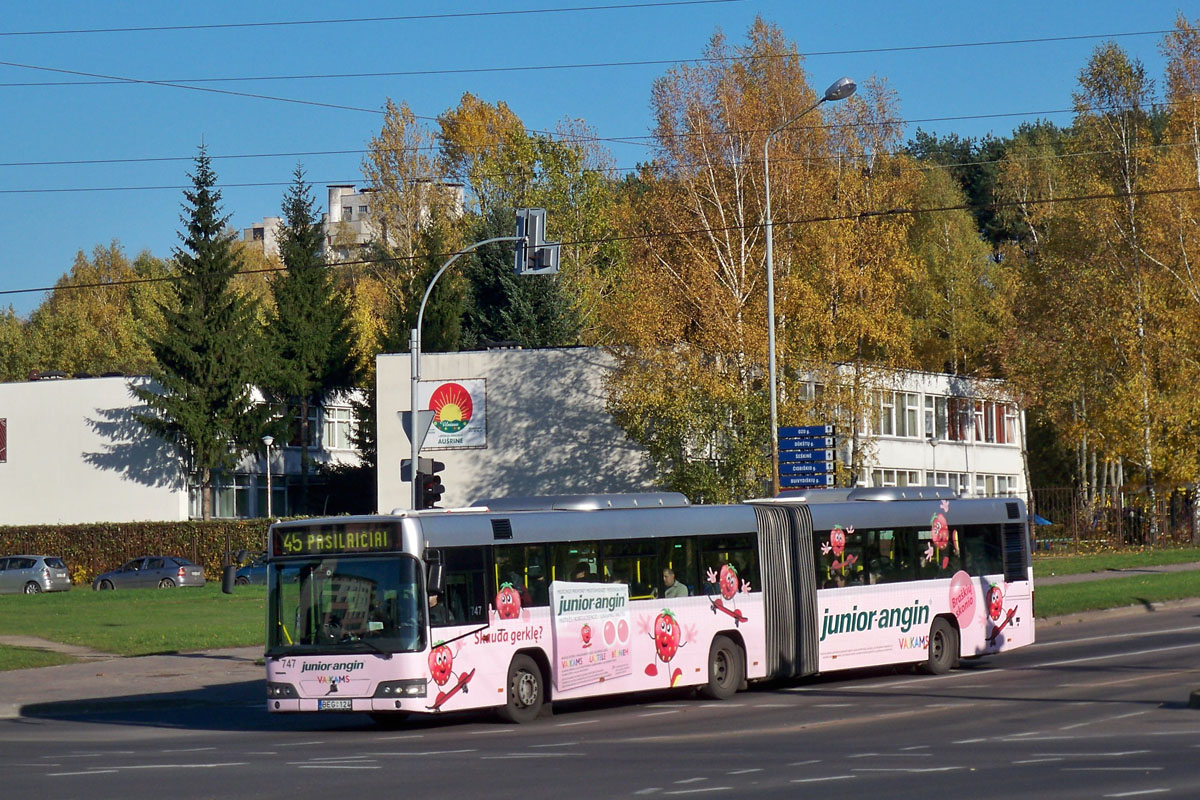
517 602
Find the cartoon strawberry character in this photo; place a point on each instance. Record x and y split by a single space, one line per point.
995 601
939 536
585 633
728 583
441 667
441 664
508 602
939 531
668 638
837 541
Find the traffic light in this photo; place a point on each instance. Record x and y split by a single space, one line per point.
429 484
534 256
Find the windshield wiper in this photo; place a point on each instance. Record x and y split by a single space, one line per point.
386 655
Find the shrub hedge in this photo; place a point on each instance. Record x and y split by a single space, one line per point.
99 547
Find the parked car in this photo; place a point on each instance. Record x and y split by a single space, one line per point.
146 572
33 574
255 572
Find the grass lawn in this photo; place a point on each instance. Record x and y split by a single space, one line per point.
140 621
28 658
1071 598
1046 565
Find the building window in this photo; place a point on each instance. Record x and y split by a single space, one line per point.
896 477
908 411
347 212
339 428
958 412
362 211
885 420
1011 424
935 417
313 427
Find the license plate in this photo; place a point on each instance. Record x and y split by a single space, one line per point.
334 705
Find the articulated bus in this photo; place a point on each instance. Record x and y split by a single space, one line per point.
516 602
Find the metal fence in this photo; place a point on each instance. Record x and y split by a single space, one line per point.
1114 519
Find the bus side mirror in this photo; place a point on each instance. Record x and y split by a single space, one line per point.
436 579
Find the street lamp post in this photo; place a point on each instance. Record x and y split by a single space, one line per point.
839 90
933 443
268 441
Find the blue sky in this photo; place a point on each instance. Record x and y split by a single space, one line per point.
41 231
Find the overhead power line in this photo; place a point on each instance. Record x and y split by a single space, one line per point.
360 20
854 217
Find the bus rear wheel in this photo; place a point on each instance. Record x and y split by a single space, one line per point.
526 691
943 647
726 669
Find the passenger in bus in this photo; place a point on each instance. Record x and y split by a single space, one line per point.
672 587
439 612
582 573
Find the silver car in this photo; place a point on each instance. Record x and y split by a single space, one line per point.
164 572
33 574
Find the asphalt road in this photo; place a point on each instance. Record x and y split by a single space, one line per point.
1097 709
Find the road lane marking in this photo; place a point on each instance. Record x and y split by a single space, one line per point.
1037 760
691 780
822 780
1101 755
556 744
658 713
744 771
511 756
85 772
911 770
430 753
187 750
698 791
1112 769
338 766
1138 792
581 722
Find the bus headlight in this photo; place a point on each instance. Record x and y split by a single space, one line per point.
412 687
277 690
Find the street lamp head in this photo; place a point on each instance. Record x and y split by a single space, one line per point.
268 440
840 90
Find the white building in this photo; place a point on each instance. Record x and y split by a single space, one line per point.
347 222
537 425
72 451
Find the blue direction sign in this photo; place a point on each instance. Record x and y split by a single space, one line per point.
801 431
805 481
808 443
805 467
806 455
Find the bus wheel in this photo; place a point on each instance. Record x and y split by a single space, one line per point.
726 669
943 647
526 691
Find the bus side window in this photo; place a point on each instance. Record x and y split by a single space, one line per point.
464 575
982 549
679 556
631 562
576 561
523 566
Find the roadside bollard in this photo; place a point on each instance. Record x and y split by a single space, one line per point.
228 575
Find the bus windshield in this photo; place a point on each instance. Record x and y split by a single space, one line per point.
346 604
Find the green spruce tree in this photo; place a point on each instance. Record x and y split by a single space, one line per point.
308 333
205 351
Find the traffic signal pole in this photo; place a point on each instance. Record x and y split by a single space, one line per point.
535 256
415 355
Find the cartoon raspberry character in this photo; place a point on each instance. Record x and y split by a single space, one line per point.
508 602
585 633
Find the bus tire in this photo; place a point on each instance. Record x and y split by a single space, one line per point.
526 691
726 669
943 647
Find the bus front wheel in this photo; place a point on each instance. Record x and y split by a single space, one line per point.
526 691
943 647
726 669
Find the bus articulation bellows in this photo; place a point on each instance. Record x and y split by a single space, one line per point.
518 601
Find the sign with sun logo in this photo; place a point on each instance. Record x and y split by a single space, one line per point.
458 413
